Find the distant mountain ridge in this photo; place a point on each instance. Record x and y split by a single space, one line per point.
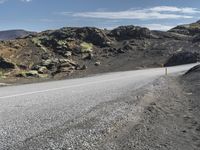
13 34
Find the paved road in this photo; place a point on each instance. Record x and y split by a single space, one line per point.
28 110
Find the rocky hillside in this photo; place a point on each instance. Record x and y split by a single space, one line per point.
187 29
72 52
13 34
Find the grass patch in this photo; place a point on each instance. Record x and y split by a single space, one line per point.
2 75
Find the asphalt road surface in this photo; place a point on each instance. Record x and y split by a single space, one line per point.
27 111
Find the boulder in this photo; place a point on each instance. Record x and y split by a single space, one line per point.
93 35
98 63
182 58
87 56
6 64
130 32
43 70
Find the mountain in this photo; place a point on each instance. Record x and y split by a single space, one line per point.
13 34
76 52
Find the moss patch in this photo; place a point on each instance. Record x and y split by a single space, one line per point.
86 47
38 43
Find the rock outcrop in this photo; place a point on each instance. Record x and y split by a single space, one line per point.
182 58
188 29
130 32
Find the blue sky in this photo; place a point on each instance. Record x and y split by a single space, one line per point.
38 15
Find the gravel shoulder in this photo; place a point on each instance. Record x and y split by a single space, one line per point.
163 115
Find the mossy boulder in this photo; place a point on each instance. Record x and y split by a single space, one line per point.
86 47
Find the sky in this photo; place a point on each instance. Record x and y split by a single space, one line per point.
39 15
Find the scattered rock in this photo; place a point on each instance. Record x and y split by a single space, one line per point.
23 67
88 56
84 67
120 50
68 54
98 63
4 84
78 67
66 69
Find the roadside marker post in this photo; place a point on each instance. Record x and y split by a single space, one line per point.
166 71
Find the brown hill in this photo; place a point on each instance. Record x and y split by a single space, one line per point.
13 34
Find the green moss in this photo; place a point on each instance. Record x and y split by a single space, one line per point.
86 47
38 43
2 75
62 42
195 26
31 73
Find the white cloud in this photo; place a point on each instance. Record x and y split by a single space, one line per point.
160 27
3 1
185 10
159 12
26 0
130 15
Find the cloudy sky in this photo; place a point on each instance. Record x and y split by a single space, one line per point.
38 15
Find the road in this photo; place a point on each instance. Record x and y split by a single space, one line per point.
28 111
